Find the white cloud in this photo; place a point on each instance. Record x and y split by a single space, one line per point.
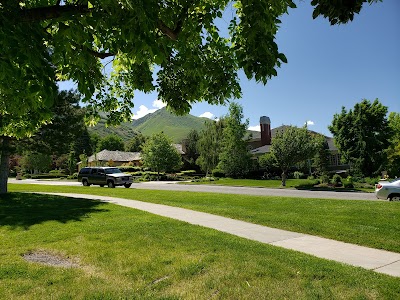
310 123
158 104
207 114
143 110
254 128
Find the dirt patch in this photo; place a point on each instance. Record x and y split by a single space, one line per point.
49 259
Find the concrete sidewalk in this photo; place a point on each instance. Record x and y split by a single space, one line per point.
373 259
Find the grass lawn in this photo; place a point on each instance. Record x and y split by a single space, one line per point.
122 253
272 183
367 223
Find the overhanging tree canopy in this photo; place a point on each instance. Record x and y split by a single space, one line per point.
45 41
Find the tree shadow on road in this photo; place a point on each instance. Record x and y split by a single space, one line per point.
24 210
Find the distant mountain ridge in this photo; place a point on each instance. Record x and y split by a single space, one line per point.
176 127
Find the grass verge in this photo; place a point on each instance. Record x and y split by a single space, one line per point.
367 223
124 253
272 183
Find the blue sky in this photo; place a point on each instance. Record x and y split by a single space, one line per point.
328 67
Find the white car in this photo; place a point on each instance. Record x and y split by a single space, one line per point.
388 190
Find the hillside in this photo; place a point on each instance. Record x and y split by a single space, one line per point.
176 127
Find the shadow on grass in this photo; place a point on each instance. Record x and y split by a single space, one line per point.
329 189
24 209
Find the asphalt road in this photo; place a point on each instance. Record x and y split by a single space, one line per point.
172 186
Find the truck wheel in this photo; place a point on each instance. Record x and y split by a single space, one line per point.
85 182
127 185
111 184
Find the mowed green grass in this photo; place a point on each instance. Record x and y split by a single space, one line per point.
124 253
374 224
273 183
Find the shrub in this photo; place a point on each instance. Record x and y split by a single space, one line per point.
73 176
188 172
336 180
311 177
130 168
298 174
218 173
371 180
324 179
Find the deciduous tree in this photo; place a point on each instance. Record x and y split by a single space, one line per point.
135 144
43 42
394 148
362 136
112 143
209 145
235 159
160 155
292 146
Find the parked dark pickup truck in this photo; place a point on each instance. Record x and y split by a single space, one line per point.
102 176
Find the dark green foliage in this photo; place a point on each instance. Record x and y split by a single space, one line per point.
209 145
235 159
394 148
336 180
160 155
338 11
66 127
111 143
135 144
33 161
292 146
218 173
362 136
190 147
43 42
322 153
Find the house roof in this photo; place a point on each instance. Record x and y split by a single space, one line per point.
274 131
106 155
260 150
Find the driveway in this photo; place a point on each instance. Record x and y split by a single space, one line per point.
172 186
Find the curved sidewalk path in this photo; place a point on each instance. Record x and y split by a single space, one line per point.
373 259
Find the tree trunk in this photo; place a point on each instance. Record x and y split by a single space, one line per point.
283 178
4 160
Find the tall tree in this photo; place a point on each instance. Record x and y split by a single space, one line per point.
46 41
135 144
190 146
43 42
292 146
322 153
209 145
66 126
235 159
394 148
112 143
362 136
160 155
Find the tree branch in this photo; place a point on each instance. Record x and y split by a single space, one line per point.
52 12
167 31
173 33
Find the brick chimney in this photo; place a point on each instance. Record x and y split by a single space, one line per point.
265 125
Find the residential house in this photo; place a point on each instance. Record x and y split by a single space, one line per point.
114 158
260 143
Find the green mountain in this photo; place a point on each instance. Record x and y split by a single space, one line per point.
176 127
